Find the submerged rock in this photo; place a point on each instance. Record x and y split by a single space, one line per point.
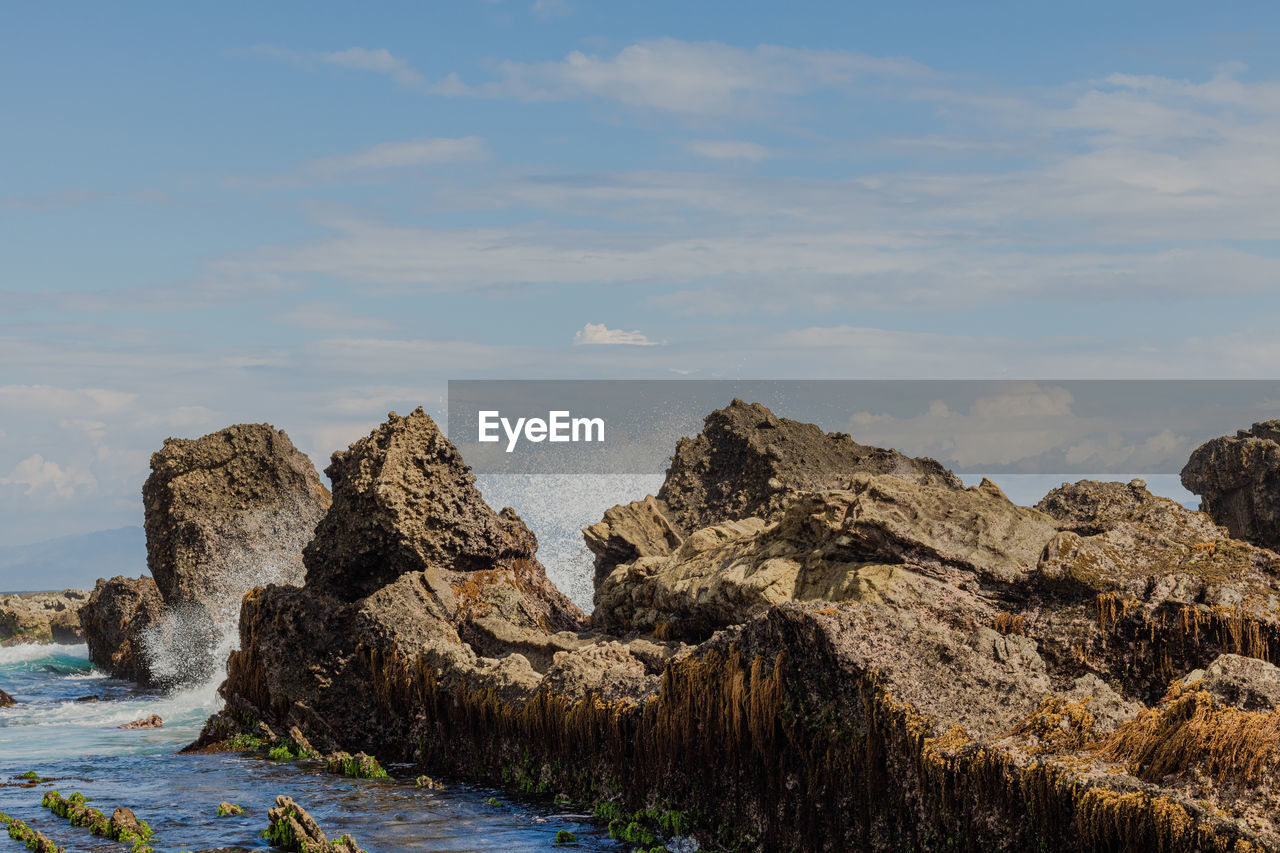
1238 479
292 829
871 658
41 617
115 618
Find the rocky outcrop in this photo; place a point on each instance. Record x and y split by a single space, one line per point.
228 512
116 619
41 617
6 701
747 462
880 659
1238 480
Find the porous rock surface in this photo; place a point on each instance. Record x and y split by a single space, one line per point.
115 619
227 512
223 514
41 617
878 660
1238 480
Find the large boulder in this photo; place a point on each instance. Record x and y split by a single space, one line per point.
1238 480
6 701
41 617
228 512
116 619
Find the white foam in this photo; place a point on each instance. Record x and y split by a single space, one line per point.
26 652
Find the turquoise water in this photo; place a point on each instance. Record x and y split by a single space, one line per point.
80 746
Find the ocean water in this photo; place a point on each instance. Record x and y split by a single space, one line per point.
79 746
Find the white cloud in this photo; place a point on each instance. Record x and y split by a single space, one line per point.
42 476
728 149
598 333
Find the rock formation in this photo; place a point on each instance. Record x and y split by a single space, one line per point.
228 512
1238 479
828 657
115 619
6 701
747 462
41 617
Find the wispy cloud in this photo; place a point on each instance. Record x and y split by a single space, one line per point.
551 8
599 334
699 78
398 155
376 60
379 61
728 149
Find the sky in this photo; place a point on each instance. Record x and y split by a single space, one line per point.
310 214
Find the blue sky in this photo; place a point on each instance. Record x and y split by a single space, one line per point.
310 214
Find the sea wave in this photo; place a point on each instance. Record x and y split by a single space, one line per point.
28 652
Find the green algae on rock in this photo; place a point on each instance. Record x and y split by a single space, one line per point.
293 830
123 825
33 839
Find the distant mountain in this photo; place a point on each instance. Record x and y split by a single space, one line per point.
73 561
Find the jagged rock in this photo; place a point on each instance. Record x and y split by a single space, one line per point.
6 701
41 617
115 618
1238 480
228 512
404 502
150 722
747 462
